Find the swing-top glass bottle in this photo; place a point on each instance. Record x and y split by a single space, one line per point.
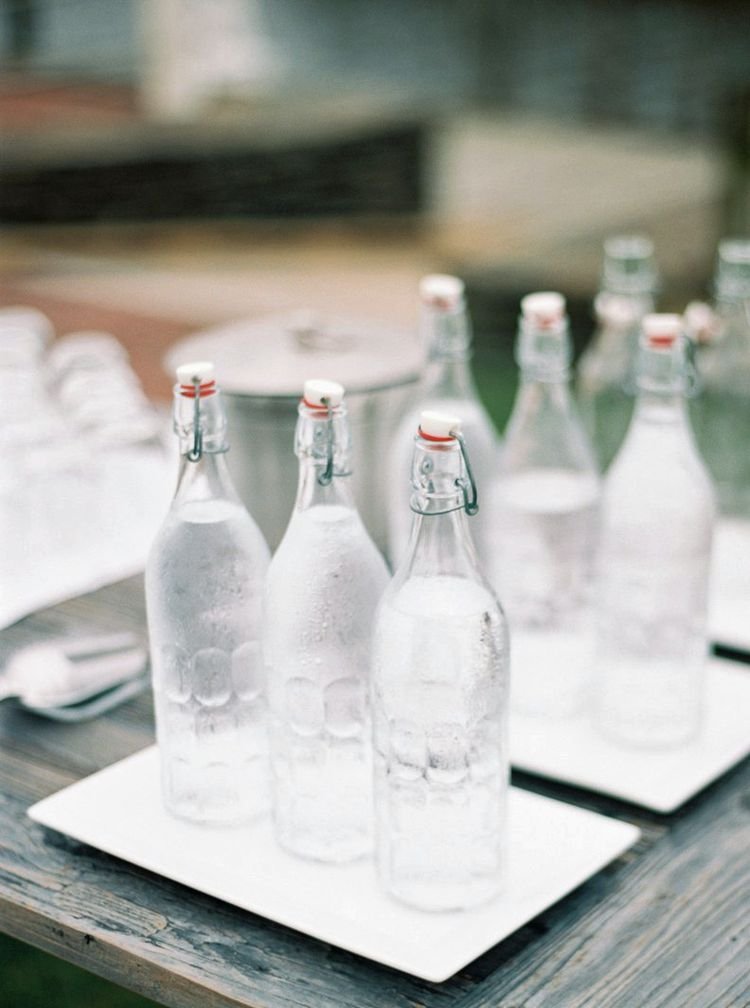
204 587
324 584
447 386
605 385
439 696
544 506
656 531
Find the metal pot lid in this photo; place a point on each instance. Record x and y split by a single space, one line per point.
274 355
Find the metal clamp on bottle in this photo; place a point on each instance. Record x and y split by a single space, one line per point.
196 452
435 427
201 429
320 394
324 479
467 485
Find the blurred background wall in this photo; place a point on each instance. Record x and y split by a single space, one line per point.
677 65
500 140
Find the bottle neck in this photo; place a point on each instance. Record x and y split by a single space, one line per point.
441 544
440 541
660 407
544 430
543 352
734 312
201 428
629 268
638 303
312 493
733 296
733 276
204 480
448 338
619 318
323 447
200 423
541 424
663 381
541 393
552 386
449 378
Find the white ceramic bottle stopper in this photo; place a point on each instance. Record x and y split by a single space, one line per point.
544 308
323 393
439 426
441 291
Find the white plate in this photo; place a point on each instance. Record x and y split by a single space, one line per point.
572 751
553 848
729 609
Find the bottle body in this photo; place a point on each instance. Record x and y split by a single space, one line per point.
204 581
545 504
324 584
439 696
654 558
440 757
543 564
204 586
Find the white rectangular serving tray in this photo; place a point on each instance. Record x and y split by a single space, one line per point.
729 602
572 751
553 848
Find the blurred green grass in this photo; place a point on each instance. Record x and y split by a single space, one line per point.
31 979
496 379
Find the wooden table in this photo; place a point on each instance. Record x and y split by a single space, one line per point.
665 926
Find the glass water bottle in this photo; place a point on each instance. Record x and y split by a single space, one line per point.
721 412
449 387
439 696
605 370
544 506
204 592
324 584
657 522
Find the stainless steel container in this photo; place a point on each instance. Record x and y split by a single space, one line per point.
262 364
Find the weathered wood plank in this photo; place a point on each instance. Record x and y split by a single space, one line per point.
81 748
30 780
168 942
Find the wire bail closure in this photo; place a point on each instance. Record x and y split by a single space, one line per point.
467 485
196 452
324 479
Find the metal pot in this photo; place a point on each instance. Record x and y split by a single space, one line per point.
261 365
